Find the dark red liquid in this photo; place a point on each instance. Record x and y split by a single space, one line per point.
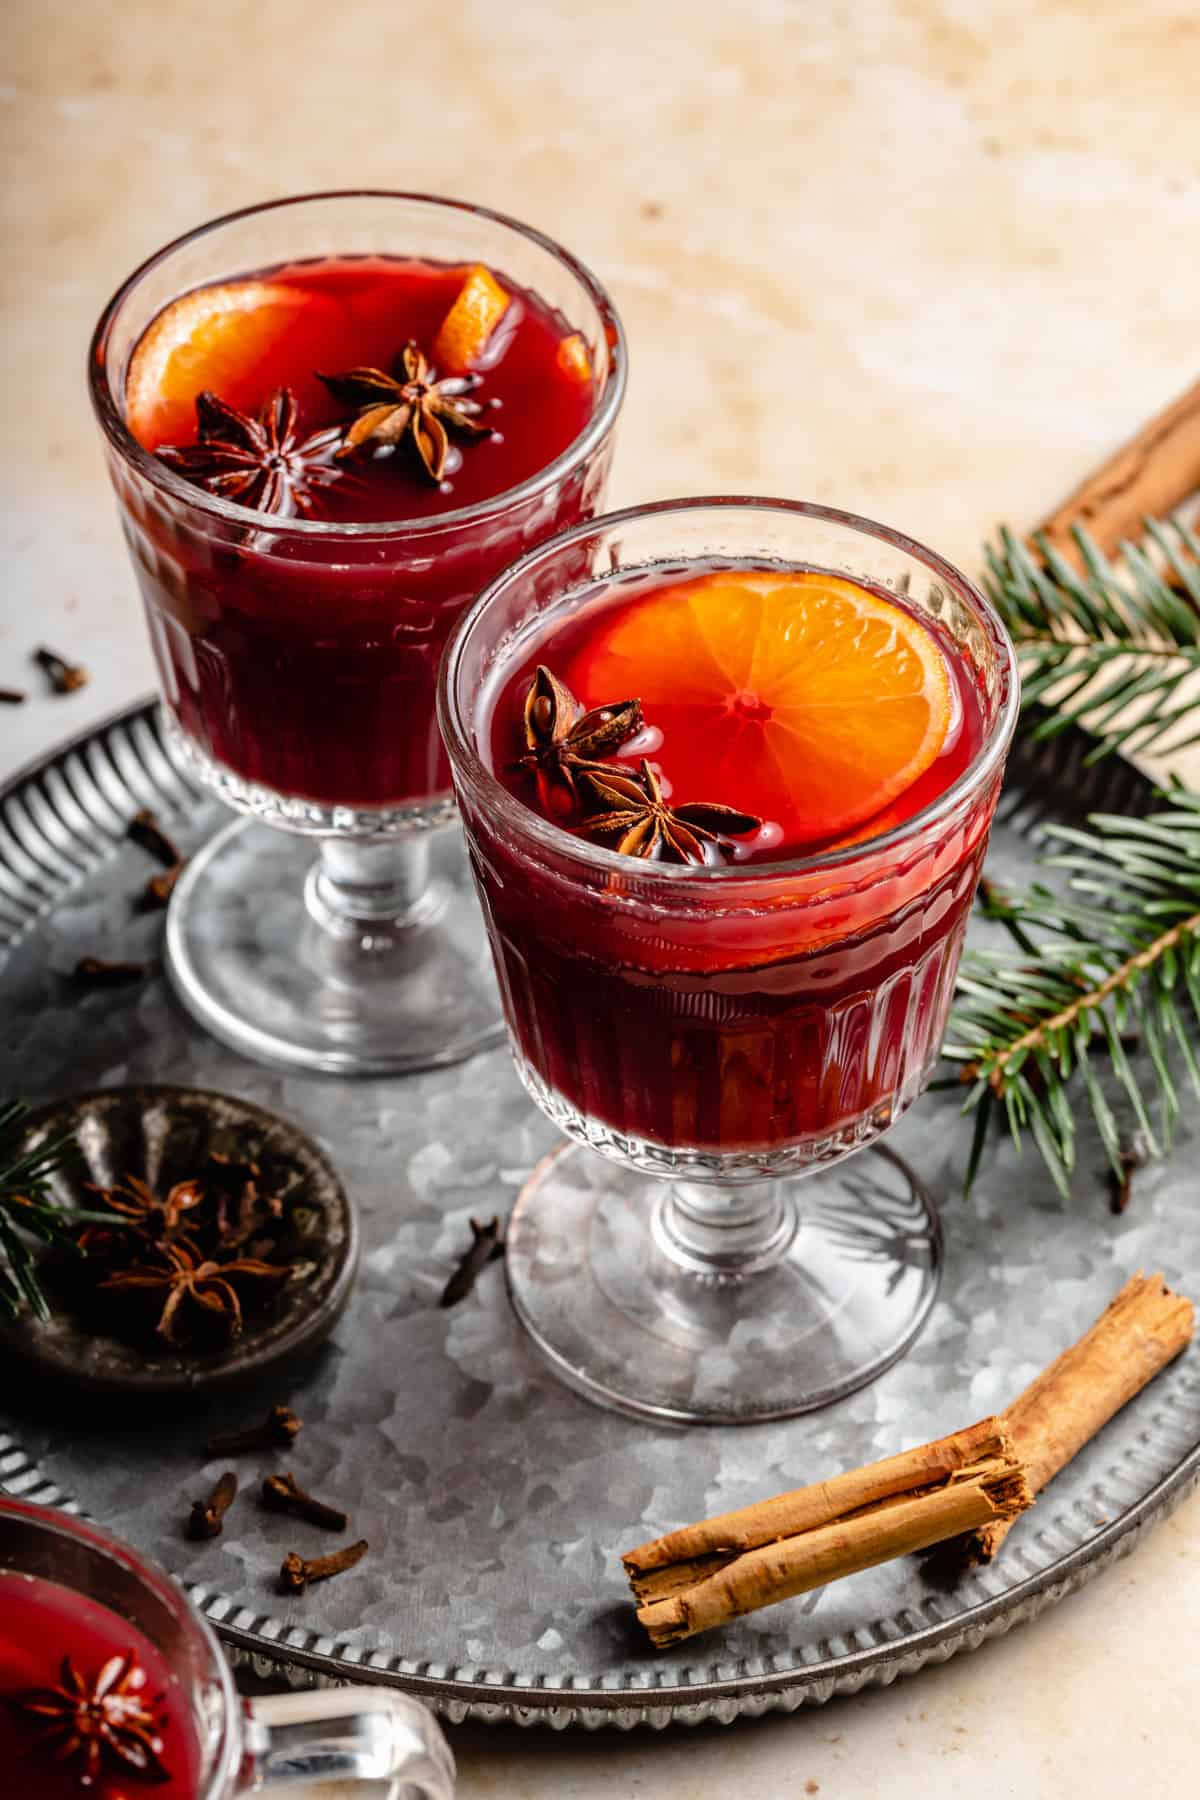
800 1012
309 665
40 1623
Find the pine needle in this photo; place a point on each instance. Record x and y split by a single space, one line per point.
26 1209
1114 956
1114 649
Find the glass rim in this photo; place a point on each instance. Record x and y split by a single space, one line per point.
171 1595
529 823
156 471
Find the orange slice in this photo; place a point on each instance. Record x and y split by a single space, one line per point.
463 334
797 695
573 358
216 337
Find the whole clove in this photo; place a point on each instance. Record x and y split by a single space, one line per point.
97 972
145 830
12 697
64 677
282 1493
295 1572
159 888
207 1516
1121 1181
487 1243
280 1426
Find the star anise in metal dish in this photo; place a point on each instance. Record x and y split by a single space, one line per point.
409 403
562 742
195 1290
630 808
136 1201
262 463
104 1718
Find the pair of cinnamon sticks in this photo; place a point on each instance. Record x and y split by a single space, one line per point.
969 1486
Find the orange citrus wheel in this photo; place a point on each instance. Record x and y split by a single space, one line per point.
213 338
796 695
463 334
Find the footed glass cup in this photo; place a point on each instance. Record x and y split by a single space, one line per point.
716 1040
333 926
369 1739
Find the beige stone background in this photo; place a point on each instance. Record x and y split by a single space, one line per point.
927 260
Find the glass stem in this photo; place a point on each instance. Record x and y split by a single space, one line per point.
354 889
725 1229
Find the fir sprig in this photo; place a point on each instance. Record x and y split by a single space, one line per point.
25 1206
1113 648
1115 955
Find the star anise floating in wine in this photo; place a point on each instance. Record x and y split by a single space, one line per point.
569 750
563 742
630 809
260 462
106 1718
410 403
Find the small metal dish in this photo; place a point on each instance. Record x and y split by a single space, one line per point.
164 1135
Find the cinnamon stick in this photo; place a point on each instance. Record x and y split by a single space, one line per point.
706 1574
1143 1329
1147 477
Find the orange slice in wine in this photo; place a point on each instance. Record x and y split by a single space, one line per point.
464 332
221 338
796 695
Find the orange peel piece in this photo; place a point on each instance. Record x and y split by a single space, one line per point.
573 358
463 334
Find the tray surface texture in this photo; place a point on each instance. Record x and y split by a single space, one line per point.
496 1502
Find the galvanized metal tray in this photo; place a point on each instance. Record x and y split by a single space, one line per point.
495 1501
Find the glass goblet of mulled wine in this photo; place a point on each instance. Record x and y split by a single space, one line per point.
717 1026
330 421
75 1601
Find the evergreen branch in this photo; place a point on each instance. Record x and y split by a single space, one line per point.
26 1177
1111 964
1114 648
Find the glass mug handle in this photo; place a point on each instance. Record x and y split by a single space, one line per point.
349 1735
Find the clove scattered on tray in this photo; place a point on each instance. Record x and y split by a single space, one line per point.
207 1516
12 697
96 971
146 830
295 1572
487 1243
64 677
281 1426
283 1493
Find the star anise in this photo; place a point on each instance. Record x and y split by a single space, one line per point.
183 1276
136 1201
562 742
260 462
91 1719
631 809
409 403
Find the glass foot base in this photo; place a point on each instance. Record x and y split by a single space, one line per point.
253 961
598 1279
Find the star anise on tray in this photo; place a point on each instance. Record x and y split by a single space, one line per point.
409 403
91 1720
195 1290
262 463
631 809
562 742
